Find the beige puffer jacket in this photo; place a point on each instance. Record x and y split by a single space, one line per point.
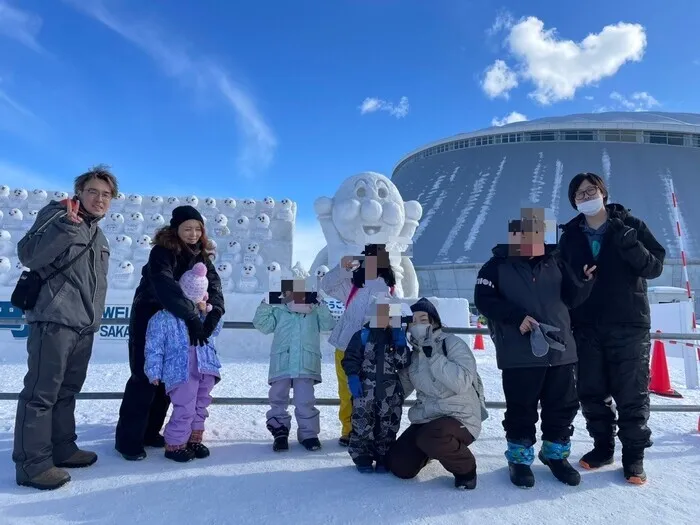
446 385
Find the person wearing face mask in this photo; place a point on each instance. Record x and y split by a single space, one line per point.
612 327
177 247
296 319
450 404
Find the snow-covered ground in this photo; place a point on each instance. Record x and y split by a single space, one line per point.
244 482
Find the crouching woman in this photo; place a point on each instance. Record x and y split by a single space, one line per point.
449 407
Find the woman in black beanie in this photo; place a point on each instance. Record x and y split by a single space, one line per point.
176 249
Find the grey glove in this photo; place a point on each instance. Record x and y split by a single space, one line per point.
542 338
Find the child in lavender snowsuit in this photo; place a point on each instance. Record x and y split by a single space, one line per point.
189 372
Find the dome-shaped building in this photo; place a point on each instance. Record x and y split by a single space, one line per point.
470 185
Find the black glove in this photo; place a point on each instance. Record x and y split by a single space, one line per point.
211 321
195 328
428 351
624 236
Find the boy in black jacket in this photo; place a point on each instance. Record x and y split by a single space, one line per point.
525 291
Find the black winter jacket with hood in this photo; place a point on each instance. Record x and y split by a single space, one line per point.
629 255
508 288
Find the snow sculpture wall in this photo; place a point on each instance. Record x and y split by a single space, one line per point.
249 235
367 208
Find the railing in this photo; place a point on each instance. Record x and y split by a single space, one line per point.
253 401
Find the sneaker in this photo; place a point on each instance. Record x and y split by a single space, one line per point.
466 481
344 441
156 441
50 480
562 470
280 444
602 454
311 444
521 475
80 459
199 450
181 455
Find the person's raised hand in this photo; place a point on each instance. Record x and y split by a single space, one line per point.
72 209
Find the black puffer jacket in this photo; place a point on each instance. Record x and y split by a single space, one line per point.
508 288
626 260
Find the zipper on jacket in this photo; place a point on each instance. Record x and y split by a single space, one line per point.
94 292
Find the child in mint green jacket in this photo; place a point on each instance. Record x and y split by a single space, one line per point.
295 363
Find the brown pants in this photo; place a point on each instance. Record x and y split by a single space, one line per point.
444 439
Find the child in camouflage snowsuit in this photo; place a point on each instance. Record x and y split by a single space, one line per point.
371 363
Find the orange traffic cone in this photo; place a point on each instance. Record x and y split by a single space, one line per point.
660 382
478 338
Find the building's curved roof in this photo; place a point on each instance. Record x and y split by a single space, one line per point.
638 120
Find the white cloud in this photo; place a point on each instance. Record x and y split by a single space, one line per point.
371 104
638 101
308 241
18 177
198 73
557 67
504 20
498 80
514 116
21 26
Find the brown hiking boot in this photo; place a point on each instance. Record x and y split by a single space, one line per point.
81 459
49 480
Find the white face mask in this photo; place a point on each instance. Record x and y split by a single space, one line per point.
590 207
419 331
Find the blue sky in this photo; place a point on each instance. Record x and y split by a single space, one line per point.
249 99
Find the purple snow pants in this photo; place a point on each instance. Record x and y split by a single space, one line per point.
190 401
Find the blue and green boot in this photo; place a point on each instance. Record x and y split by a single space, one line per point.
519 459
555 456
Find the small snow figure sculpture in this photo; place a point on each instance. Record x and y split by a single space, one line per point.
233 251
221 227
143 248
225 271
268 204
248 283
210 205
274 277
60 196
155 222
37 199
192 200
285 212
118 203
122 247
248 208
171 204
154 204
133 203
30 218
7 247
251 255
18 198
240 228
14 219
262 227
114 224
123 276
4 194
6 272
321 271
135 224
229 205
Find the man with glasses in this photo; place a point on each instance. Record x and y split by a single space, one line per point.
68 256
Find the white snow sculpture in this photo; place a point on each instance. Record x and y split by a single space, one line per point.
248 283
118 203
248 207
268 204
18 198
321 271
142 249
14 219
7 247
261 228
225 271
192 200
113 224
60 196
4 195
274 277
37 199
123 276
251 255
2 216
29 218
155 222
153 205
170 204
133 203
229 206
135 224
299 272
233 251
210 209
122 247
6 272
367 208
221 228
240 230
285 211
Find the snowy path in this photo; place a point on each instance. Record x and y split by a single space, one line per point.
244 482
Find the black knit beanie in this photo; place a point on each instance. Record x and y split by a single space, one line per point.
423 305
182 214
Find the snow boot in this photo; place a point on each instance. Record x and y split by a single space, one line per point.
519 459
344 441
80 459
311 444
138 456
601 455
555 455
365 469
633 467
179 453
280 444
381 466
199 450
156 441
364 465
50 480
465 481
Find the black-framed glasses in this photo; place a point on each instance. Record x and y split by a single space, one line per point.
591 191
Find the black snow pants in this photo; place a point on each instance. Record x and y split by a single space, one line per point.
554 388
144 405
614 366
58 358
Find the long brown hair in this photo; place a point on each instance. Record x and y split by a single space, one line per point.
168 238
